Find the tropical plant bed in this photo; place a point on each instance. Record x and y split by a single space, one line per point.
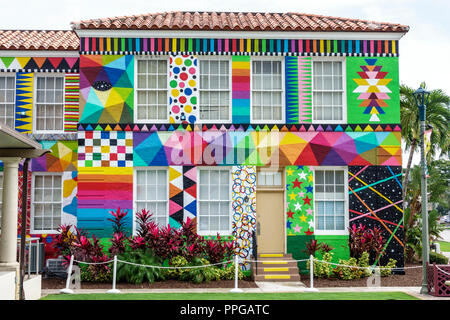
411 278
57 283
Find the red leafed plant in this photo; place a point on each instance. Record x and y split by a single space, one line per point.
312 247
117 243
366 240
118 220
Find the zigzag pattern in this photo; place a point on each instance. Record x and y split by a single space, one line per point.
291 79
304 89
24 102
30 64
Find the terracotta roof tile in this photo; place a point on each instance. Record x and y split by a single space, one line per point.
39 40
239 21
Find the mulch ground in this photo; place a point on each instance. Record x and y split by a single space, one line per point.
411 278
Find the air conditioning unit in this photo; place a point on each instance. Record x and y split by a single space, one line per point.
55 268
33 264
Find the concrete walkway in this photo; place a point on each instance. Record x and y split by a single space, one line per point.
265 287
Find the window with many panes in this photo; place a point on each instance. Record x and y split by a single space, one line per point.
7 99
49 103
151 90
328 91
214 90
46 202
214 201
267 91
330 201
151 193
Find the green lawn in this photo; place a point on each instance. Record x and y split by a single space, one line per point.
445 246
237 296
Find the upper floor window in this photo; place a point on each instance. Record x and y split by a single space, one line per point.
267 91
214 90
7 99
151 92
46 202
49 103
330 201
328 90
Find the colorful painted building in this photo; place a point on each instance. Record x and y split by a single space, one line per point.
286 125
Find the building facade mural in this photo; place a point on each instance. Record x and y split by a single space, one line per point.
121 113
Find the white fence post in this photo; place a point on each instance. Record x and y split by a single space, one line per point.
236 276
311 275
114 290
69 277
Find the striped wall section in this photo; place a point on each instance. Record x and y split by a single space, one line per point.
240 74
238 46
298 89
71 97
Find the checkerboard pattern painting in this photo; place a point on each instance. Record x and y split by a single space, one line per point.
105 149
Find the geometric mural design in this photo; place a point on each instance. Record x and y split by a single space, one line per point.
24 102
182 194
243 203
262 148
299 200
375 201
106 87
372 90
63 157
71 100
34 64
105 149
183 83
298 89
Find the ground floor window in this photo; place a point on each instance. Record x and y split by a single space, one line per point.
152 193
214 201
330 200
46 202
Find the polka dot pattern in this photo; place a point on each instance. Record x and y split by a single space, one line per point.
183 82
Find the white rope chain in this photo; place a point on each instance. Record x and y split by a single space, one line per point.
249 260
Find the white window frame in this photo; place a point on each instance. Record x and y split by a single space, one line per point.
12 74
1 200
136 88
35 80
346 201
32 215
228 232
230 89
283 90
135 169
344 89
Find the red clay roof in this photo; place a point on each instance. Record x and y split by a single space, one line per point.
39 40
238 21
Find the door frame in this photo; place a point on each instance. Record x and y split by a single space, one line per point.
282 190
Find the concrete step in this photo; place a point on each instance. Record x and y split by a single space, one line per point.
275 267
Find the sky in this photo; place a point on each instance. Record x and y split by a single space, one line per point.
424 50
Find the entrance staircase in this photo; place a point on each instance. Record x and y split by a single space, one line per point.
275 267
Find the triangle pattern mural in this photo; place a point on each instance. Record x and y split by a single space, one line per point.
182 194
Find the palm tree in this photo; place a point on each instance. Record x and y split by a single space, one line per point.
437 116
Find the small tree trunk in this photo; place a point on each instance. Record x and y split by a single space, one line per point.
408 168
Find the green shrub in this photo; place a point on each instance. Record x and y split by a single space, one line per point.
387 269
438 258
322 269
139 274
177 261
201 274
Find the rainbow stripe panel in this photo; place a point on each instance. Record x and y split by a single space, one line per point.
239 46
240 74
101 190
72 94
24 102
298 89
